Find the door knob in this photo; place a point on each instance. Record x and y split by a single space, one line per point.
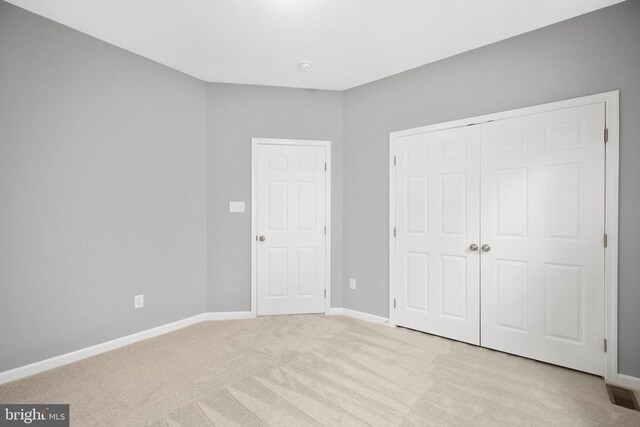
473 247
486 248
262 238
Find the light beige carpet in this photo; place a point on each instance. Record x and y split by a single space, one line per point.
317 370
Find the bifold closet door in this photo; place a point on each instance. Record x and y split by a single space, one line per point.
437 219
543 182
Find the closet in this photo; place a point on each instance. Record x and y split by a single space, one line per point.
498 232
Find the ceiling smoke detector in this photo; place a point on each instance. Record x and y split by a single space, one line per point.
306 65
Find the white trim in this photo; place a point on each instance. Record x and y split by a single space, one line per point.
254 219
327 302
612 118
378 320
519 112
626 381
83 353
392 226
611 101
74 356
228 315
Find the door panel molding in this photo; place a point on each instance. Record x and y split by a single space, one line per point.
438 197
514 144
552 226
255 143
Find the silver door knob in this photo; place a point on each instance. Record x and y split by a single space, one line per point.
473 247
262 238
486 248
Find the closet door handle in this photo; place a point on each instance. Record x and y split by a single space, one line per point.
473 247
486 248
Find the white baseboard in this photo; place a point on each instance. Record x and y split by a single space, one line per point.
626 381
358 315
64 359
229 315
74 356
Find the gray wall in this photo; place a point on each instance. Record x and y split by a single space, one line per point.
116 172
593 53
102 191
236 113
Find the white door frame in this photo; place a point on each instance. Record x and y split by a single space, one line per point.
255 142
611 101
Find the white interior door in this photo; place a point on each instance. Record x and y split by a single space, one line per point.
291 221
543 182
437 219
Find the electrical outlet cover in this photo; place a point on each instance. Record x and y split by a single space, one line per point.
138 301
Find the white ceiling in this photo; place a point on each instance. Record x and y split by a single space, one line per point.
349 42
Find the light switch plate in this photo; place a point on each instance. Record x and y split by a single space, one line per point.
352 284
236 206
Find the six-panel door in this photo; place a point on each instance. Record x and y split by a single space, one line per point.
543 184
291 206
535 286
438 219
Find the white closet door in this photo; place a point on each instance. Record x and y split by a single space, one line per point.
542 215
291 202
437 218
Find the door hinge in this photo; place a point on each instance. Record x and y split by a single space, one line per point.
605 345
394 232
606 135
394 160
394 303
325 229
605 239
325 166
325 293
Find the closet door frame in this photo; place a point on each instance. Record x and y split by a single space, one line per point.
611 101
